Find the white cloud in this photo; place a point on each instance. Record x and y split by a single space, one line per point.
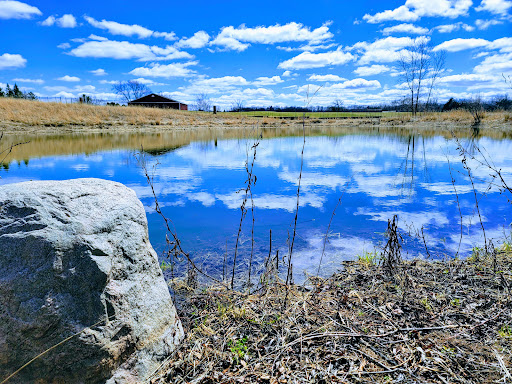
66 21
325 78
413 10
165 71
504 44
459 44
306 47
384 50
498 7
147 81
240 38
484 24
8 60
34 81
286 74
99 72
317 60
69 78
169 36
17 10
268 80
448 28
216 84
116 28
401 13
198 40
495 64
405 28
64 46
125 50
372 70
466 80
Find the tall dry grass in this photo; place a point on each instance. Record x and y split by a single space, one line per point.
36 113
39 114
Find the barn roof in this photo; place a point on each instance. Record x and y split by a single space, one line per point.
154 98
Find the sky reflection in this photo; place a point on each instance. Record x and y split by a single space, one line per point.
200 187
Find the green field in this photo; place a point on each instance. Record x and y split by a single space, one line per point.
313 115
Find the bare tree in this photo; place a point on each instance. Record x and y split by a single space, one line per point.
337 105
203 102
421 67
237 105
130 90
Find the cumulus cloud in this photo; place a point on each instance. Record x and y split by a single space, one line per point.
66 21
485 24
405 28
147 81
64 46
459 44
268 80
115 28
198 40
165 71
413 10
495 64
99 72
306 47
384 50
448 28
9 61
325 78
498 7
113 49
17 10
69 78
371 70
456 45
466 80
240 38
317 60
216 84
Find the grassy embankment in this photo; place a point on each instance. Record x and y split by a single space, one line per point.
420 322
33 116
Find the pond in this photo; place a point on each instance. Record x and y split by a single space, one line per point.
351 184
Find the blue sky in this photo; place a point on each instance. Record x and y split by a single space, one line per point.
261 52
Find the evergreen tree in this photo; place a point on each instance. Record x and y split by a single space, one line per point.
2 94
30 96
17 93
8 91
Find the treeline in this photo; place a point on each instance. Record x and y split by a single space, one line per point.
499 103
16 93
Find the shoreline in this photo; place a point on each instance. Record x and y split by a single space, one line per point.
416 321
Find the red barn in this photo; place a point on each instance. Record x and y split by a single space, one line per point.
157 101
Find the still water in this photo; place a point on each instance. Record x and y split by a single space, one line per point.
200 185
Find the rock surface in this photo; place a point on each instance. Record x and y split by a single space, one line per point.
75 257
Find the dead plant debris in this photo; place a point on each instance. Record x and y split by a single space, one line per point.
428 322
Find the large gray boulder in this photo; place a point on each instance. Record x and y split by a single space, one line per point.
75 257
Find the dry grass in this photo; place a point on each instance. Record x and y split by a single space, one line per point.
35 113
20 115
431 322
